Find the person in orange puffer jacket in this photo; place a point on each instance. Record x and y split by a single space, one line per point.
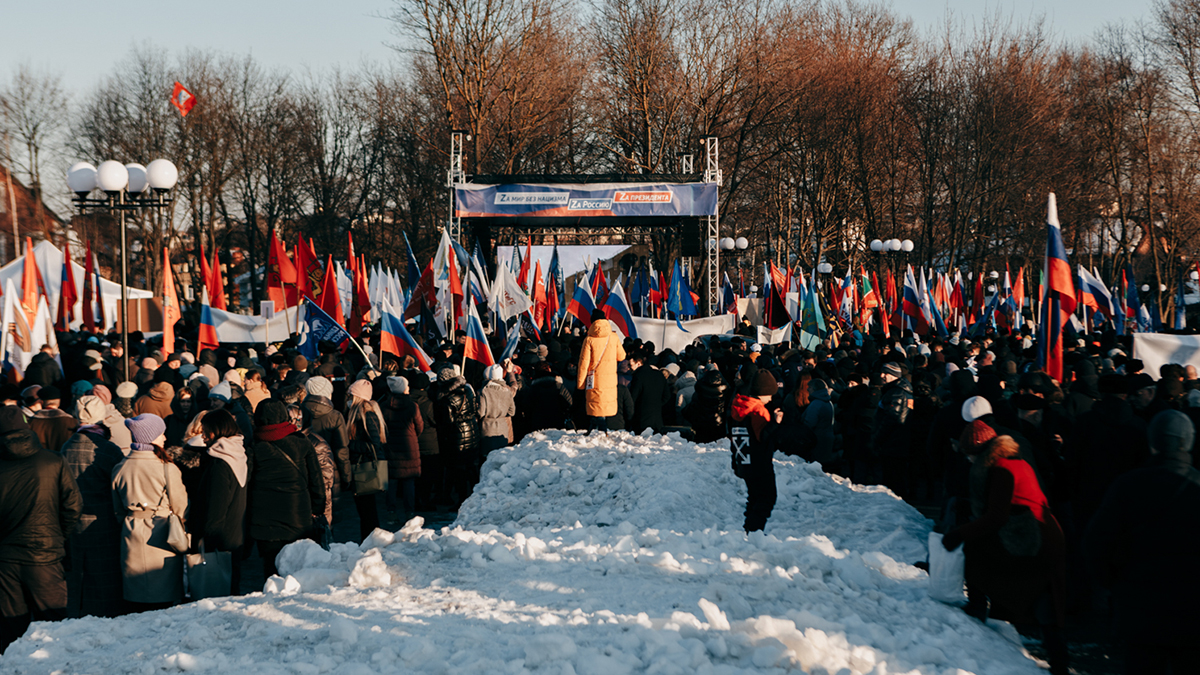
752 438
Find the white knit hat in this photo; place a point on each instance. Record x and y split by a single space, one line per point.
319 386
975 407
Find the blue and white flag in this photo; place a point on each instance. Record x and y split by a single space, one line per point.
317 326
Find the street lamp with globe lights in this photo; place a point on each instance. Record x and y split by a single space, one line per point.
126 187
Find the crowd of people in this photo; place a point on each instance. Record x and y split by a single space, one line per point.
1071 497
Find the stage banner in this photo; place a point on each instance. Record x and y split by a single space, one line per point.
538 200
666 335
1157 350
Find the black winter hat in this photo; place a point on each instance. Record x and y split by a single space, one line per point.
50 393
271 411
12 419
764 384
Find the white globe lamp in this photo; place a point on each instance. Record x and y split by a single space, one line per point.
81 178
112 176
162 174
137 179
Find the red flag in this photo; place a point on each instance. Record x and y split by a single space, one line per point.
31 283
89 294
422 294
182 99
539 296
216 285
330 302
351 260
205 270
360 301
308 271
68 296
883 315
456 289
523 274
281 275
171 312
977 300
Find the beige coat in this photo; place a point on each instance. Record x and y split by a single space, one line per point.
256 392
153 572
601 399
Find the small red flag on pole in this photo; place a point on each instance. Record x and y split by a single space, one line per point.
182 99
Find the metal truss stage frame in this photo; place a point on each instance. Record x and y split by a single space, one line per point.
591 225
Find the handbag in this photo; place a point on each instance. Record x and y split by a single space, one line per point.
209 575
177 536
589 381
370 476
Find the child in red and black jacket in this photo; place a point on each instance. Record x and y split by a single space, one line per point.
752 438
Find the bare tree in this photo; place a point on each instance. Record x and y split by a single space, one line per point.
33 115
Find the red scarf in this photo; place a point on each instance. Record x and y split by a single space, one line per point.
273 432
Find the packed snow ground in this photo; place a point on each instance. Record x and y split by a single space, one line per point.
580 554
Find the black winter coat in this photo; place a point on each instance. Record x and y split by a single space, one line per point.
891 432
217 507
709 409
651 394
90 459
427 440
1142 543
624 409
284 494
321 418
1109 441
457 415
43 370
40 504
544 404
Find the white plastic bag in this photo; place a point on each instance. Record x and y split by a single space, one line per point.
946 572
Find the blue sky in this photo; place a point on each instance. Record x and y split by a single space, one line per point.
83 43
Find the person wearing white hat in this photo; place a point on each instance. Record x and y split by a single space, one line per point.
404 426
497 407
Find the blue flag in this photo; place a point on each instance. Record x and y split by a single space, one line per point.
317 326
414 270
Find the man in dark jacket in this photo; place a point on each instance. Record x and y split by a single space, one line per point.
650 393
286 487
890 436
1142 543
709 407
40 506
94 581
544 403
43 369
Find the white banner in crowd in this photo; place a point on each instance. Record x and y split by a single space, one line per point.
246 328
768 336
1157 350
670 337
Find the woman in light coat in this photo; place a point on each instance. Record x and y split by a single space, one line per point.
496 410
600 353
147 488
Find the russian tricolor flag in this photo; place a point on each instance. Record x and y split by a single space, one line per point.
476 347
1059 301
395 339
582 303
911 305
207 338
616 308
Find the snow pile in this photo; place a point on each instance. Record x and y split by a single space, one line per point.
580 555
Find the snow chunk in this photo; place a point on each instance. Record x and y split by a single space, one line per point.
548 648
370 571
